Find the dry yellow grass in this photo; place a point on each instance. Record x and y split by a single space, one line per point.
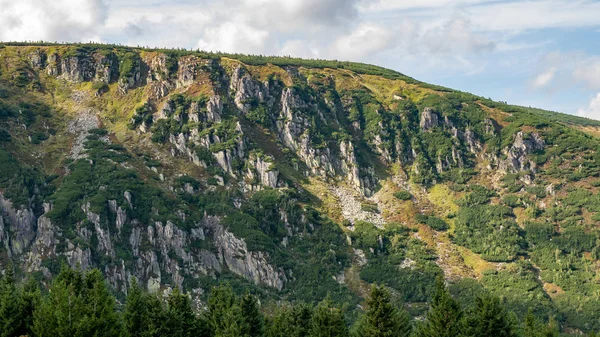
443 199
474 261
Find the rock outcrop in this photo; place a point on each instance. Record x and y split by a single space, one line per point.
234 253
517 154
429 119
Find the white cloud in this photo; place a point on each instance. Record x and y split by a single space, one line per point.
535 14
568 69
234 38
299 48
593 109
365 40
456 36
388 5
587 71
544 78
494 15
61 20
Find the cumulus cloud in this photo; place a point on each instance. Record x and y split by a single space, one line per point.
592 110
300 48
587 70
567 69
388 5
544 78
61 20
365 40
234 38
535 14
456 35
297 17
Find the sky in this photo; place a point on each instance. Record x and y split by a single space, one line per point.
541 53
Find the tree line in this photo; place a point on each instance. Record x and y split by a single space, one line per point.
81 304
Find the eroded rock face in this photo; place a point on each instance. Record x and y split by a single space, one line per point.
81 68
37 59
245 90
260 170
429 119
17 226
170 253
517 154
234 253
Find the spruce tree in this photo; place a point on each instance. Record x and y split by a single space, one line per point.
328 321
489 318
444 318
59 313
136 316
232 324
181 320
382 318
29 299
220 304
253 324
100 308
534 328
157 316
11 318
290 321
77 305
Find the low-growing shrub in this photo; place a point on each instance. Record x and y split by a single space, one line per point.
403 195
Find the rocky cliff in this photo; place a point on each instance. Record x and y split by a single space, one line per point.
182 168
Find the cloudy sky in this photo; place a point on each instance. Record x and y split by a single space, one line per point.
542 53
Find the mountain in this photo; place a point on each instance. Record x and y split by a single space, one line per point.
292 178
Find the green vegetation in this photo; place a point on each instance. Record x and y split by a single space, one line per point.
537 223
403 195
79 304
432 221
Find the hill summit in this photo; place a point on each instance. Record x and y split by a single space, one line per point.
293 178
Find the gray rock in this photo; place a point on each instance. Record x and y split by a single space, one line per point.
429 119
234 253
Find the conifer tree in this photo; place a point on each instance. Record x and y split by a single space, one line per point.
291 321
100 308
253 324
60 312
77 305
489 318
136 316
232 324
11 318
181 320
29 299
534 328
382 318
444 318
328 321
220 304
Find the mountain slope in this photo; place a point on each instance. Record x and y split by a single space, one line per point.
294 178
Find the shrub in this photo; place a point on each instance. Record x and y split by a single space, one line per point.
432 221
369 207
403 195
512 200
4 136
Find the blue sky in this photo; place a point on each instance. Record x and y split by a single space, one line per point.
540 53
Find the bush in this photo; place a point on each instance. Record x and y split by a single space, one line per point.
489 230
4 136
512 200
432 221
369 207
479 195
403 195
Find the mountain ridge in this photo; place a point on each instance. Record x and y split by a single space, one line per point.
181 168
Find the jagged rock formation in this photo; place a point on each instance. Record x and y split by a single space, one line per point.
181 168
